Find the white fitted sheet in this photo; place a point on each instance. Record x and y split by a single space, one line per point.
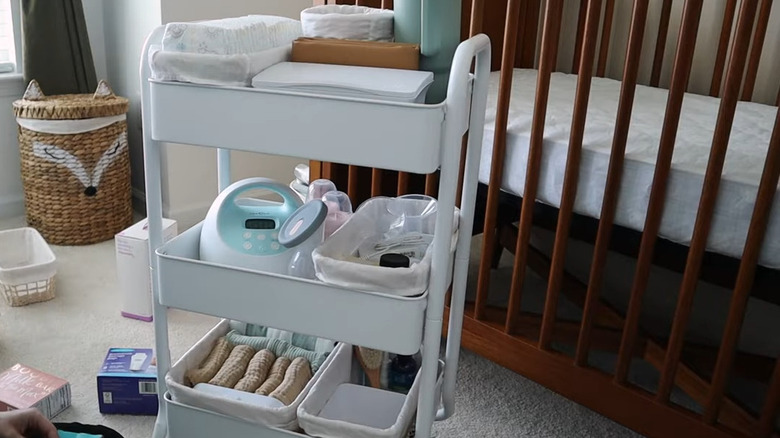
741 175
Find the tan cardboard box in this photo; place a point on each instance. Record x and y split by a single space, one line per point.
358 53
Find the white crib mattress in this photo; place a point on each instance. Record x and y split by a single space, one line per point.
741 175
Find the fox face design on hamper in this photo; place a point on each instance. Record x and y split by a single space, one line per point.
75 164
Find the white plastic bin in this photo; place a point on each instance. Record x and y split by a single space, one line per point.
27 267
374 405
282 417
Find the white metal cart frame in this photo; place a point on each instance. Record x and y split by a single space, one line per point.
421 139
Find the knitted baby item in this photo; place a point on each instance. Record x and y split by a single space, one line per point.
234 367
211 365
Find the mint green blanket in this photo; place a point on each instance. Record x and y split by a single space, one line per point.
279 347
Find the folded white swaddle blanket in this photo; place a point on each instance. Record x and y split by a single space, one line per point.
231 36
227 52
208 69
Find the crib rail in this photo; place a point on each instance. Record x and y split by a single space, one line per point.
558 352
734 76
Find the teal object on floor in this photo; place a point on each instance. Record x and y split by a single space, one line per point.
64 434
435 25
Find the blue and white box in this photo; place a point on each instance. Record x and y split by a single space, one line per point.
127 382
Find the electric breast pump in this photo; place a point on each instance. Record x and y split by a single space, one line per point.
244 232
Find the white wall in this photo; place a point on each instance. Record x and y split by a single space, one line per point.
704 55
189 10
126 24
11 194
93 14
190 178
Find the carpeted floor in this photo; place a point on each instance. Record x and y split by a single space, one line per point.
69 337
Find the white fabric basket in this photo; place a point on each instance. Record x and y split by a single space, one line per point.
348 22
334 260
27 267
338 372
283 418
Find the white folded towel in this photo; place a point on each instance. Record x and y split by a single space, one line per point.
210 69
231 36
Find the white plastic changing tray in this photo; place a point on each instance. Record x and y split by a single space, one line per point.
347 81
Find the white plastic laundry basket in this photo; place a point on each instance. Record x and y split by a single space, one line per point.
27 267
348 22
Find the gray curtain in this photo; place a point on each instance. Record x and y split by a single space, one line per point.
56 46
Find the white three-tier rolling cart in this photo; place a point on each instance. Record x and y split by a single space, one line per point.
416 138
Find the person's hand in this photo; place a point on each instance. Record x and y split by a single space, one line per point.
26 423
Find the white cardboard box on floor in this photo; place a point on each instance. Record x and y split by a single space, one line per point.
132 267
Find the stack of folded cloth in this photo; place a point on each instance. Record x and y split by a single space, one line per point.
281 342
227 52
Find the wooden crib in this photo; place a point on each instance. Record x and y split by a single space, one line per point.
553 350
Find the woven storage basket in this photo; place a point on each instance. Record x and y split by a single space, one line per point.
75 164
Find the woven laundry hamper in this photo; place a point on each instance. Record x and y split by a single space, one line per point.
75 164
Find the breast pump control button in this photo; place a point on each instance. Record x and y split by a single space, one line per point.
261 236
274 246
247 245
247 235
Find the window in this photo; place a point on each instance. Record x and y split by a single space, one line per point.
8 43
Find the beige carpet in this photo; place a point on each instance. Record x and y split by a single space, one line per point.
69 337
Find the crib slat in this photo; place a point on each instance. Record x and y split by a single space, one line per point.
575 64
755 51
572 172
614 175
777 99
475 27
376 182
352 182
550 36
402 187
766 423
431 184
660 43
327 170
461 174
747 269
529 34
477 16
387 4
315 170
606 34
680 75
723 47
499 150
709 196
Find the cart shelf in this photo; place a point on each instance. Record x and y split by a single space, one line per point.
415 138
385 322
399 136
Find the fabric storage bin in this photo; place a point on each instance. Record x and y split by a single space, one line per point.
348 22
283 417
27 267
344 370
335 261
75 164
